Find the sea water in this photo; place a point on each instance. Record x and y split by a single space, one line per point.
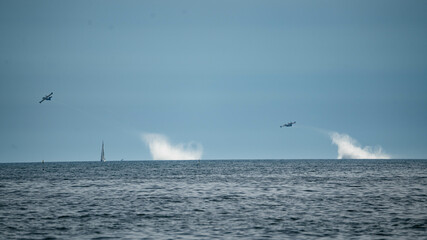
246 199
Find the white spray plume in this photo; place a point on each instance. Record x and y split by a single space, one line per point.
348 148
162 149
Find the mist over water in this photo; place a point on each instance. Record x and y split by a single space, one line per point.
162 149
258 199
348 148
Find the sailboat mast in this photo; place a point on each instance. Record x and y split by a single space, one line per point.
102 153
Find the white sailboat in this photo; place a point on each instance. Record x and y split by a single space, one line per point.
102 153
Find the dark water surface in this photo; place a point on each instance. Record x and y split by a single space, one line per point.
258 199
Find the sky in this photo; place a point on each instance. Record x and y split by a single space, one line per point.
212 79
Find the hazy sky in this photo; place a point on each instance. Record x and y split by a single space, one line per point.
218 77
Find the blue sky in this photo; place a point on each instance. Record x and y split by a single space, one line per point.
222 74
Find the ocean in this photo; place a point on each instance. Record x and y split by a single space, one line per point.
218 199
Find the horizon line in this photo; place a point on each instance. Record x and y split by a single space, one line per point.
219 159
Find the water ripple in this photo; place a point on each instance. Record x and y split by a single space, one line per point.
265 199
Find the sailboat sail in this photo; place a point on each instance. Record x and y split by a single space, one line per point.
102 153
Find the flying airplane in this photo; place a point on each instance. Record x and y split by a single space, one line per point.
47 97
289 124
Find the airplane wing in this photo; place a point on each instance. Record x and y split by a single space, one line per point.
50 94
41 100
